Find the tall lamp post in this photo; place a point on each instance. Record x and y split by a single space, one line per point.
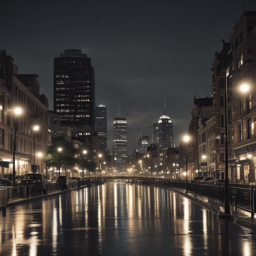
140 168
17 112
59 150
186 139
84 152
35 129
100 155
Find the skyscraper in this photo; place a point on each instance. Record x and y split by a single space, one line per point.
143 144
101 125
163 132
120 142
74 91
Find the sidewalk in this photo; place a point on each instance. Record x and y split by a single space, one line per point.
22 200
238 216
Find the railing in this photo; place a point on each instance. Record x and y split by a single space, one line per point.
240 196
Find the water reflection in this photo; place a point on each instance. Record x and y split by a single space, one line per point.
119 219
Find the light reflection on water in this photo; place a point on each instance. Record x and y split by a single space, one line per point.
118 216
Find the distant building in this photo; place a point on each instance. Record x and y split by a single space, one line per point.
74 92
163 132
101 125
200 112
55 129
143 143
120 142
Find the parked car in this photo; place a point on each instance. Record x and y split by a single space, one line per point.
38 179
7 176
208 180
5 183
197 179
62 180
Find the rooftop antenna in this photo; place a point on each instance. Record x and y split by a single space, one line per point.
118 110
165 107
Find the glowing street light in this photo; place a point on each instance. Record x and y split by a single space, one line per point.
17 112
244 88
186 139
59 150
35 130
84 152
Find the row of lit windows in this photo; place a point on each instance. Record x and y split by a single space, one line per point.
68 99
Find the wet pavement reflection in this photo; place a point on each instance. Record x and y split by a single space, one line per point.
119 219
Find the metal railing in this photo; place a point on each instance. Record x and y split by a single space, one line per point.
241 196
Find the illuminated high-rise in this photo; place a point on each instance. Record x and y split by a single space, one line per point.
120 142
74 92
101 125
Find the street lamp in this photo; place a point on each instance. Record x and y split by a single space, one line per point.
140 162
84 152
59 150
35 129
204 157
100 155
17 112
186 139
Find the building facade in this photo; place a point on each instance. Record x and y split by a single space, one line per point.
24 94
240 68
74 92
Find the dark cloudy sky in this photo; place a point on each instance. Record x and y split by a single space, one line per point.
143 51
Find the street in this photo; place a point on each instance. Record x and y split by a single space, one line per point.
119 219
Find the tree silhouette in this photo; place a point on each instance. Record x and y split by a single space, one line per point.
65 158
88 165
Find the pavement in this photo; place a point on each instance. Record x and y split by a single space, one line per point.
237 215
22 200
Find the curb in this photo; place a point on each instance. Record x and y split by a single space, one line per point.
23 200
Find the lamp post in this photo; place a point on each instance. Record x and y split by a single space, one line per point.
204 157
17 112
59 150
186 139
84 152
100 155
35 129
140 162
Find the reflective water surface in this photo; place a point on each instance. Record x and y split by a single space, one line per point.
119 219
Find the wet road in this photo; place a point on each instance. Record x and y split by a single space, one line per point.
119 219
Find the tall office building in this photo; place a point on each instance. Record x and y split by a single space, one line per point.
74 91
120 142
101 125
143 144
163 132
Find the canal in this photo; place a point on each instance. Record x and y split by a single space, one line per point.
119 219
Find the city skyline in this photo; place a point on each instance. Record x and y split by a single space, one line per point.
143 52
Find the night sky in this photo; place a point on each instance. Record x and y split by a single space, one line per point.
144 51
